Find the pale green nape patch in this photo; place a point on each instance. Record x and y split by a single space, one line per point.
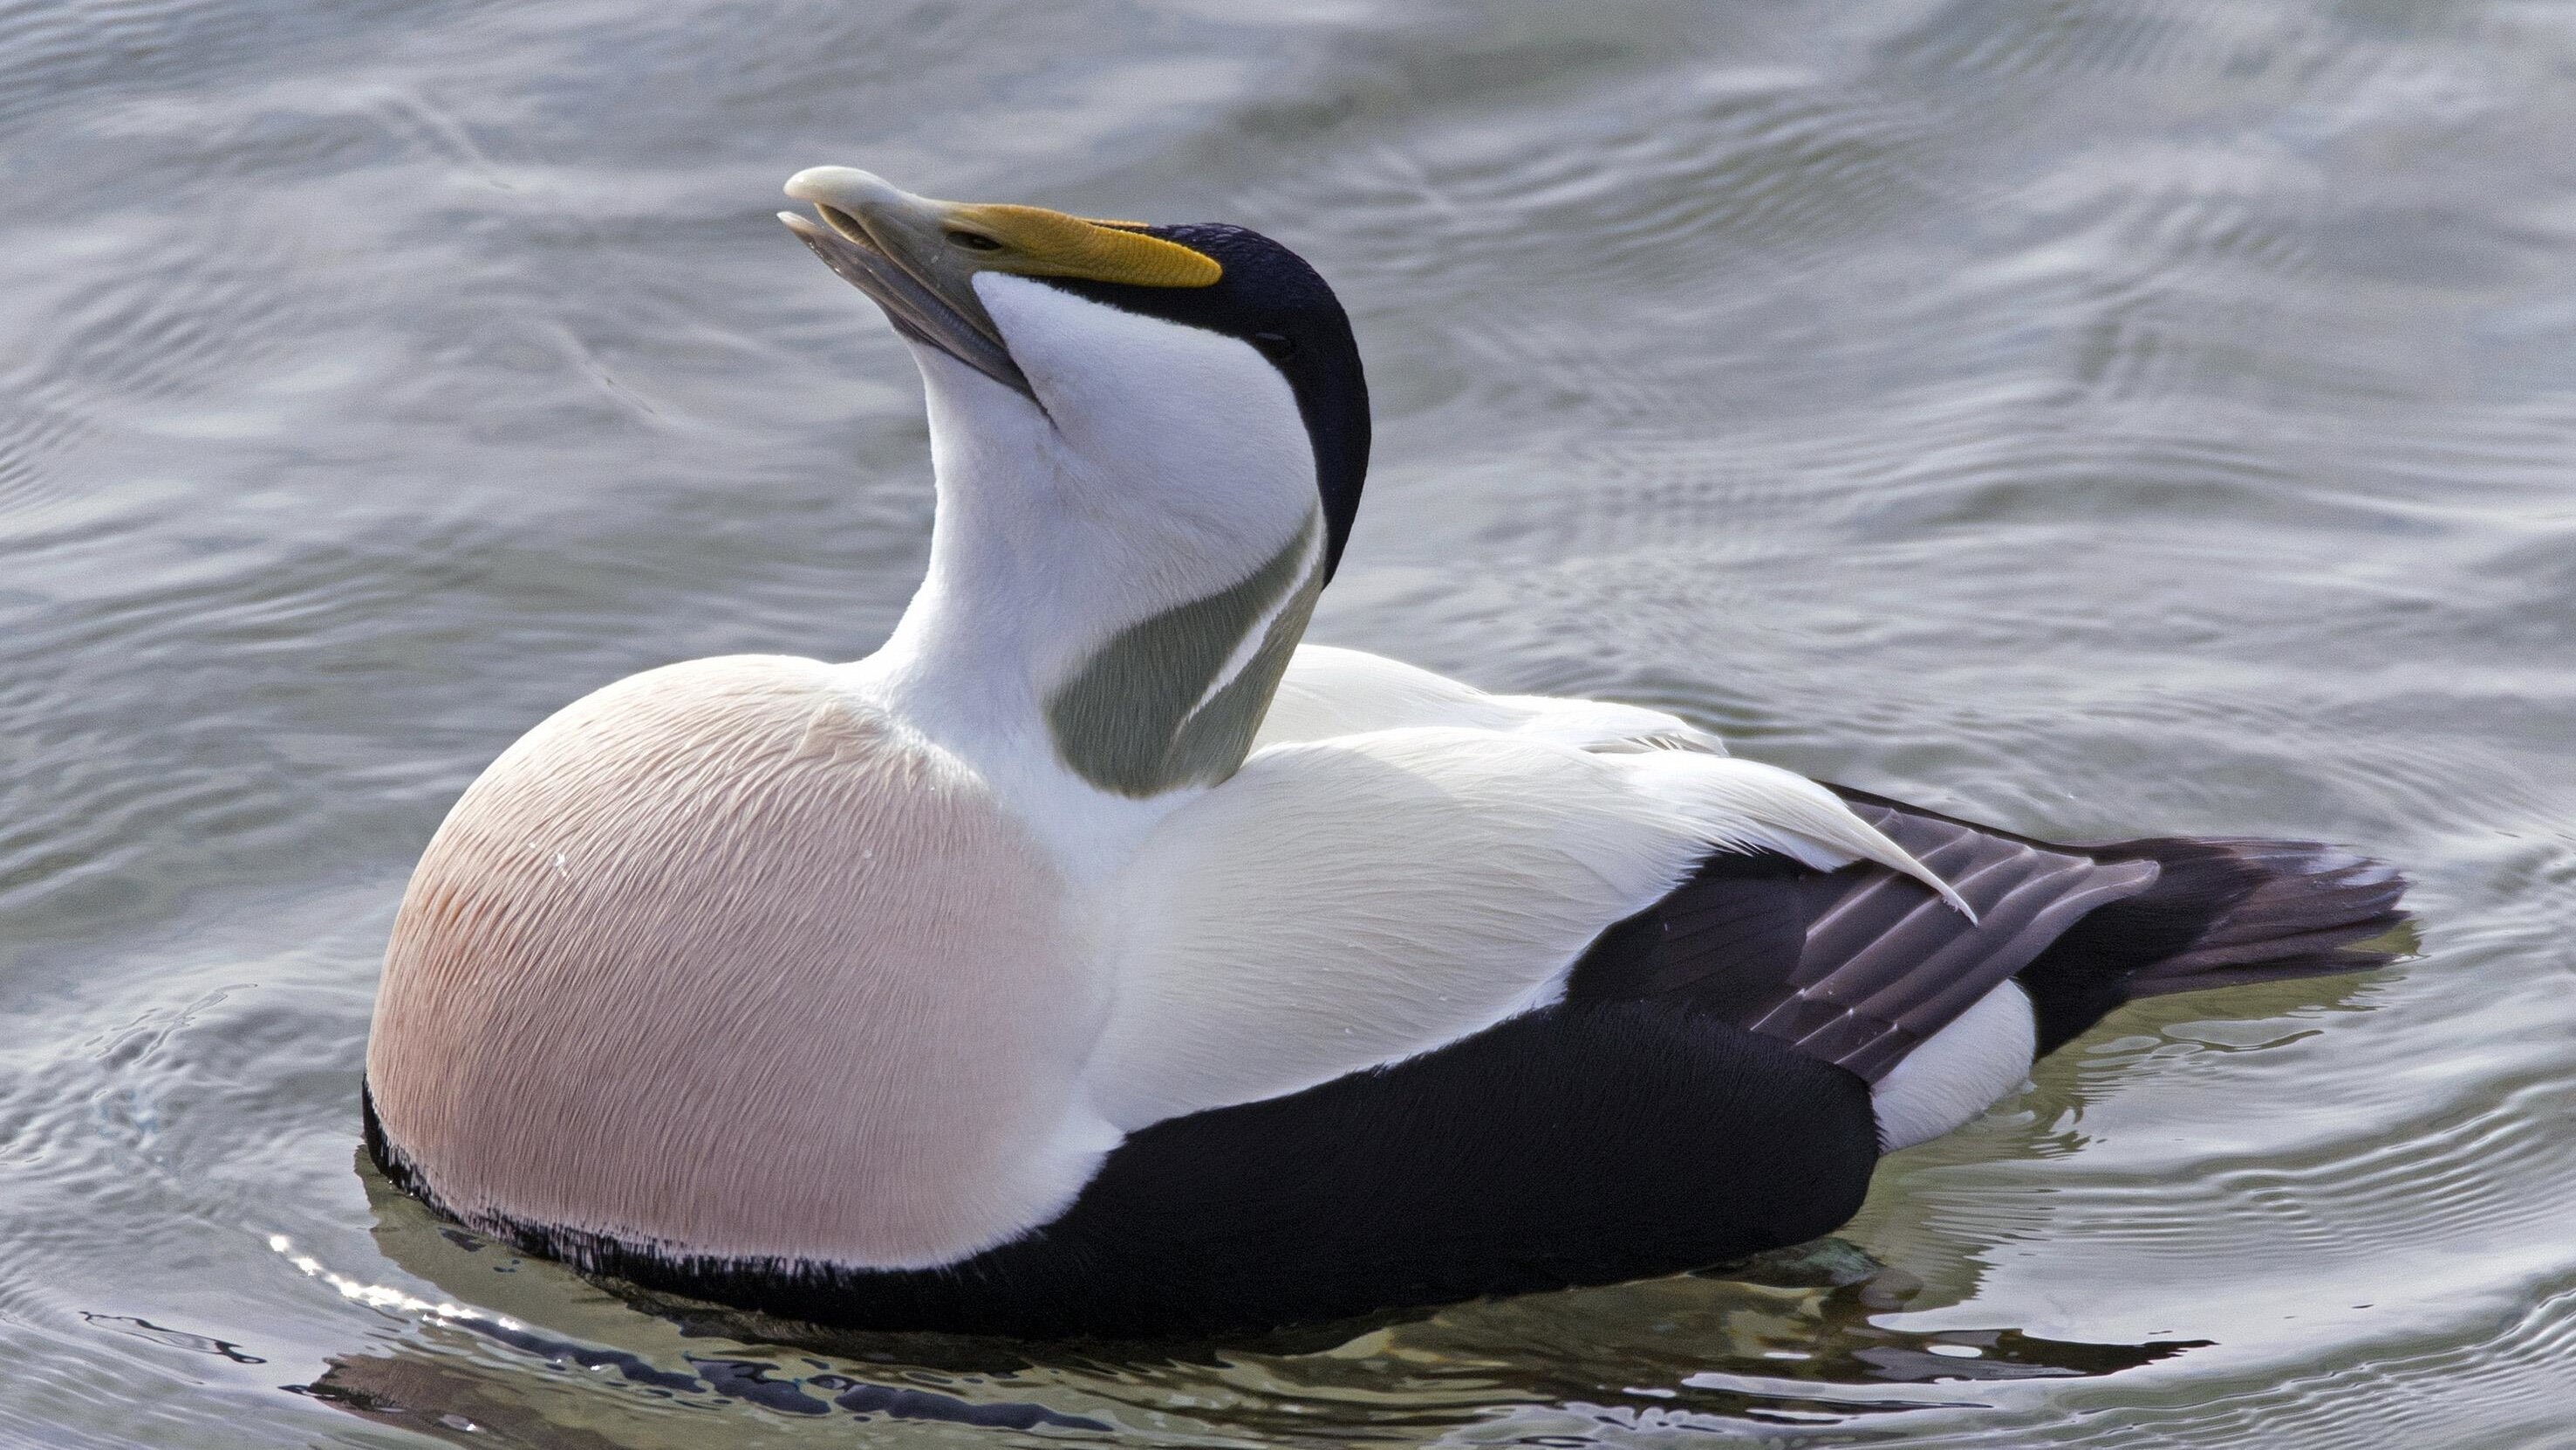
1130 720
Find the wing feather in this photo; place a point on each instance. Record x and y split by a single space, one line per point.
1859 966
1342 904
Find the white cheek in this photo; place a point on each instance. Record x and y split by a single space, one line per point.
1197 419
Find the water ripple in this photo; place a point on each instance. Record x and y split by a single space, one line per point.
2097 419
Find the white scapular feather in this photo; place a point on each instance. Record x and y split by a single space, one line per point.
1331 691
1959 1072
1349 902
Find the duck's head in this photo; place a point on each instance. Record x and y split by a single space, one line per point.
1187 364
1149 442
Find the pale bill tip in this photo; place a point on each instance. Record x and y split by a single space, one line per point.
846 187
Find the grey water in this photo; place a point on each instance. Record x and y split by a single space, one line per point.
2098 419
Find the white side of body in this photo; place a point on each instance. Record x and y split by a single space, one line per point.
1981 1057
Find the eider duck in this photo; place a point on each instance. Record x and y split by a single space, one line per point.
1098 959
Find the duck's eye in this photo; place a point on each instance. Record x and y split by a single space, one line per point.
1276 346
975 241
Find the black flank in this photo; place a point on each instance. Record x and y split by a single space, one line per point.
1584 1144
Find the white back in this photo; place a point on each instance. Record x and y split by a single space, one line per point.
1331 691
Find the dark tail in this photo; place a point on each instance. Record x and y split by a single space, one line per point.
2222 912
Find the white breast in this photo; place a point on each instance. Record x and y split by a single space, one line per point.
723 958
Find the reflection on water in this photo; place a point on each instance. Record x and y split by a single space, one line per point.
2108 418
1789 1339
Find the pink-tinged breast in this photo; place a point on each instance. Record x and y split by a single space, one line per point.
725 960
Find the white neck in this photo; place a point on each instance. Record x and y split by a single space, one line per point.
1088 561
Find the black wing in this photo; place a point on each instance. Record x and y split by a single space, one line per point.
1858 966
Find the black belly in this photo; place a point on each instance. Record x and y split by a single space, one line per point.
1589 1143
